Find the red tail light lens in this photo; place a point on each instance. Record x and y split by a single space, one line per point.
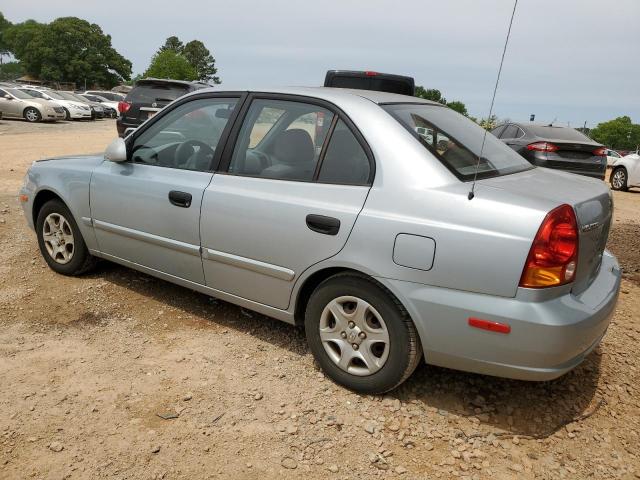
123 107
542 147
600 151
553 256
370 73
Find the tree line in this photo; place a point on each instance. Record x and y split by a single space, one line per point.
70 49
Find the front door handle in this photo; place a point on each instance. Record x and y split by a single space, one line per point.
323 224
180 199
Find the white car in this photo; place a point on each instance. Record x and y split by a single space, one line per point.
612 157
626 172
100 99
74 110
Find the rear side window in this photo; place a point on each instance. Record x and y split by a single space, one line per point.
280 140
156 93
498 130
458 141
510 132
345 161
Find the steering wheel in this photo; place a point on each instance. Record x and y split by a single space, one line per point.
187 149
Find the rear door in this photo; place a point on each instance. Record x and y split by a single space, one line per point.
147 210
286 197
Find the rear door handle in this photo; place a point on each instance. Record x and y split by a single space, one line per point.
180 199
323 224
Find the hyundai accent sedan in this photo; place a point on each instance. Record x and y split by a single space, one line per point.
327 208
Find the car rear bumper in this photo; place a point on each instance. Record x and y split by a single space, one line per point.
123 125
548 337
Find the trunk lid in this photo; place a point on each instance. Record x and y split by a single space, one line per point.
590 199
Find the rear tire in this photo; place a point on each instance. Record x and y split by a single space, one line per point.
60 241
619 179
361 335
32 115
67 115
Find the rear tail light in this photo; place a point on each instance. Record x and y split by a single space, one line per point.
369 73
600 151
553 256
123 107
542 147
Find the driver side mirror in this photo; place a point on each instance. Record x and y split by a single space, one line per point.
8 97
116 151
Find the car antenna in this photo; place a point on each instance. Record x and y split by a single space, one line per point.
495 89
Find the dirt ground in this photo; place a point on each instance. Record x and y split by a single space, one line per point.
89 365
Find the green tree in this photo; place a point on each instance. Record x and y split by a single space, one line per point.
68 49
11 70
619 133
458 107
430 94
4 48
169 64
202 60
172 43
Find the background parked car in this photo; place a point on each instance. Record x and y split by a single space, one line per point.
97 110
551 146
148 97
626 172
111 96
110 107
18 104
73 109
612 157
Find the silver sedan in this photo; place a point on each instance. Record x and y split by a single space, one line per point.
333 209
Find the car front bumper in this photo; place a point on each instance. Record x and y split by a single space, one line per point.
548 338
79 114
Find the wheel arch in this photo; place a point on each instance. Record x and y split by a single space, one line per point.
42 197
24 110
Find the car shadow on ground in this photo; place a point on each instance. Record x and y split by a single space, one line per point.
508 407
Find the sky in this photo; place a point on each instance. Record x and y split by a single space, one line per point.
572 61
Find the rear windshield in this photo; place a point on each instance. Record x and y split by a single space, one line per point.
559 133
378 83
156 93
456 141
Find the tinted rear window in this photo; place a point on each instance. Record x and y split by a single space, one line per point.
457 141
560 133
378 83
156 93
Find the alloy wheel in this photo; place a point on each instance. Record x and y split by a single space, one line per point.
32 115
354 335
58 238
619 179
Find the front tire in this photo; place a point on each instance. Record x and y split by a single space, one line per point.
361 335
619 179
32 115
67 115
60 241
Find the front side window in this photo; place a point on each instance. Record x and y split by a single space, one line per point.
458 141
186 137
280 140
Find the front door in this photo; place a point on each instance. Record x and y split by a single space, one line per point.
295 182
147 210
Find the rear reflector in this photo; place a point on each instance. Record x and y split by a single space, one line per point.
542 147
24 198
491 326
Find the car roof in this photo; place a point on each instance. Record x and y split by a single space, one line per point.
330 94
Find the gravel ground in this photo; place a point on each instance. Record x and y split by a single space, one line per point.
120 375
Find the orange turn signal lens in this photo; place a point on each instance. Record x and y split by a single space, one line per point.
23 198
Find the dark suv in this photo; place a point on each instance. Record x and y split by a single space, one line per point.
148 97
562 148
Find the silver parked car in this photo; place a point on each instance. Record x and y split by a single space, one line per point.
327 208
15 103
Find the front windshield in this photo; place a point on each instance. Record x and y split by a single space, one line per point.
456 141
55 95
67 96
19 94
